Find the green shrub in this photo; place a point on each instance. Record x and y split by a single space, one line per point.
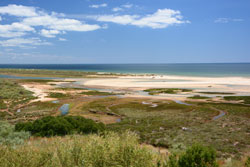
52 126
195 156
57 95
8 136
199 97
107 150
247 163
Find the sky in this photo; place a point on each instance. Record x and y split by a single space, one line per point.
124 31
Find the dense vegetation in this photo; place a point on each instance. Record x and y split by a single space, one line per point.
195 156
58 95
12 94
176 126
52 126
107 150
8 136
166 90
198 97
245 99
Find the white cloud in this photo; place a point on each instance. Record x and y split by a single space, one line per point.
127 6
62 39
122 7
227 20
160 19
60 24
32 18
23 42
117 9
18 10
49 33
122 19
98 6
14 30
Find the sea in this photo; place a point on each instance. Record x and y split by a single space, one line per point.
189 69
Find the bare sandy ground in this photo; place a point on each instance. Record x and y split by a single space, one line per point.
39 90
237 85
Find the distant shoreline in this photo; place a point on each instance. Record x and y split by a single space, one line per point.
193 70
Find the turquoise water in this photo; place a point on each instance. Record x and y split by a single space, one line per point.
199 69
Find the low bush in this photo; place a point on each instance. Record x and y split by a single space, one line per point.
57 95
247 163
195 156
107 150
8 136
199 97
60 126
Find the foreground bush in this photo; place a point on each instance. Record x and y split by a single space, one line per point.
108 150
8 136
60 126
195 156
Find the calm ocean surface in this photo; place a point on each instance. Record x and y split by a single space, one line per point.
206 69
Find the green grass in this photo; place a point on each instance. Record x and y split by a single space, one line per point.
166 91
12 94
246 99
199 97
162 125
35 110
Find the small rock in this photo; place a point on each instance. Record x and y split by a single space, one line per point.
161 128
184 128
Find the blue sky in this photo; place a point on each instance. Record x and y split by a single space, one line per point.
124 31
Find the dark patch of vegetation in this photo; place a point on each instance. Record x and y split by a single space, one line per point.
247 163
166 90
219 93
245 99
196 155
58 95
97 93
60 126
199 97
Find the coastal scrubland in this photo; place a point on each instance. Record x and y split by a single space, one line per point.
135 133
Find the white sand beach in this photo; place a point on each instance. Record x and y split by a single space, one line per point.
237 85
